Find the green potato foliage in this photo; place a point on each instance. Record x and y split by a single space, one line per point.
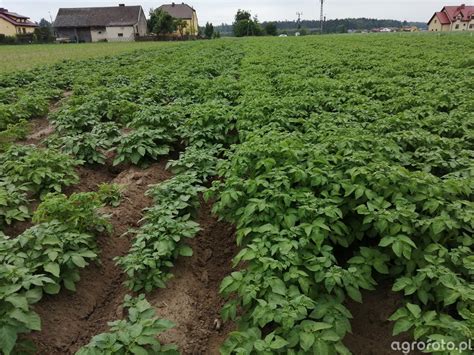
136 334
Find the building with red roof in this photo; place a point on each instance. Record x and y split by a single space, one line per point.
12 24
452 18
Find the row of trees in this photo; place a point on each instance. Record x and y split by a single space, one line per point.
246 25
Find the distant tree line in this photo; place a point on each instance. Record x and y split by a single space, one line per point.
245 25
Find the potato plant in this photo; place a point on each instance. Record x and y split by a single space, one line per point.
43 259
136 334
161 239
41 170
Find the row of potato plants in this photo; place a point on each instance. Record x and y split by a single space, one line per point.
45 258
28 172
353 152
139 123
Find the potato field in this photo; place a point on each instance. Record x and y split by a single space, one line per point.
309 195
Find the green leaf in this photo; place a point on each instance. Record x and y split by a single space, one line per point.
401 325
354 293
278 343
8 336
52 268
185 251
79 261
306 340
52 289
278 286
414 309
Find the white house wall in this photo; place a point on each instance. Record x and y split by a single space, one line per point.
98 35
128 34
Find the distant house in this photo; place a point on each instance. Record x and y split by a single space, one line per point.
409 29
12 24
452 18
183 12
95 24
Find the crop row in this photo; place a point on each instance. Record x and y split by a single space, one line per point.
346 163
347 149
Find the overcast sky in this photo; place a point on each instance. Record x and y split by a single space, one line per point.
219 11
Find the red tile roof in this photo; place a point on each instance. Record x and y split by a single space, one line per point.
443 18
454 11
450 14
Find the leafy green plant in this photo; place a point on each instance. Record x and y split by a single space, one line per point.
53 249
134 335
160 240
41 170
13 132
111 194
202 161
88 146
78 211
13 203
141 145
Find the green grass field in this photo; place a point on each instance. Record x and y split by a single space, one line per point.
14 58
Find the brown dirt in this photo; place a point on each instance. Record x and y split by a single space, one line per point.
70 319
191 299
371 331
40 128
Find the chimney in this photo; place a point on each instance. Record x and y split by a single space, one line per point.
121 5
173 4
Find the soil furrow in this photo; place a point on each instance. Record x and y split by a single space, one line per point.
191 299
71 319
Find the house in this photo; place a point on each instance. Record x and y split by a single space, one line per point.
452 18
95 24
12 24
183 12
409 29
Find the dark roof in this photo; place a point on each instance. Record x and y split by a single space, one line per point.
182 11
98 16
12 16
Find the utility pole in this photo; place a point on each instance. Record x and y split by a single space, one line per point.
299 14
321 17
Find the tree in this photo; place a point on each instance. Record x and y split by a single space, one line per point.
161 22
244 25
181 26
44 23
209 30
44 33
242 15
271 29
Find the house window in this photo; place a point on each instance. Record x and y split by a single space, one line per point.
471 25
120 35
457 27
24 30
436 21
